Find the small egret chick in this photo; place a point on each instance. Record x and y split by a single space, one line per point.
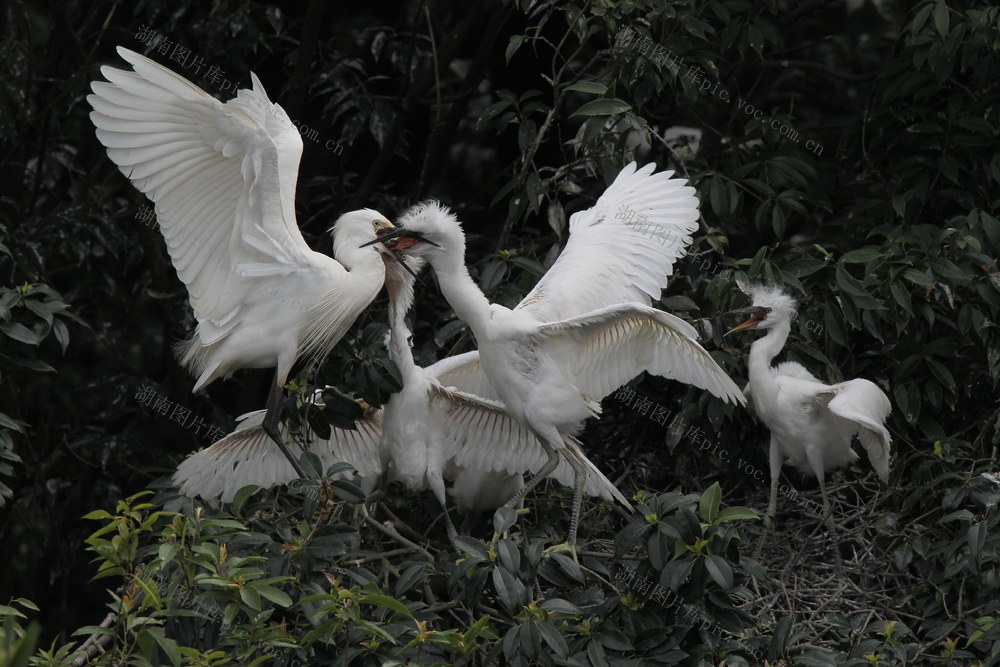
811 423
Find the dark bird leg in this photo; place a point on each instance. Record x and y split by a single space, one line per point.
272 420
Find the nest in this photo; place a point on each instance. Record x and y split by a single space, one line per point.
816 570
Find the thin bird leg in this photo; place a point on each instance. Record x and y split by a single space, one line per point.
772 506
827 512
272 419
437 486
543 472
774 459
580 475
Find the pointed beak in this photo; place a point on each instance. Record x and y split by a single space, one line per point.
406 238
383 235
756 313
402 262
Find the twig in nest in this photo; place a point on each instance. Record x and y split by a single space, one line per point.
389 530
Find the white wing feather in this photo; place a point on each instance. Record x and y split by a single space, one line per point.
622 250
486 438
606 348
463 372
863 403
222 177
249 456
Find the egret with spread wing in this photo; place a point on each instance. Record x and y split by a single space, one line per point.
428 433
432 430
222 178
812 424
588 326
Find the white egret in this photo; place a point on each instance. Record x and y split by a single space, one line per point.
587 327
811 423
426 434
432 430
222 178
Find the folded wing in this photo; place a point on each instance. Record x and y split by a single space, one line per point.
867 407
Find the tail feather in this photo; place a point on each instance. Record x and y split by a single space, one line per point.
597 483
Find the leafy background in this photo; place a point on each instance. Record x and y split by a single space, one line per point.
879 213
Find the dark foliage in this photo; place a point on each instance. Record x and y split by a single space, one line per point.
846 150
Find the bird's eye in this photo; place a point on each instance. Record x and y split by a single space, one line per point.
767 310
376 223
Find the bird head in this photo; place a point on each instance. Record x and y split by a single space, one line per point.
400 276
423 230
360 228
770 307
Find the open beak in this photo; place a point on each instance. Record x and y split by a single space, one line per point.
757 315
406 238
384 236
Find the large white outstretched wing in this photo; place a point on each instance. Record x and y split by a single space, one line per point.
604 349
222 178
867 407
621 250
249 456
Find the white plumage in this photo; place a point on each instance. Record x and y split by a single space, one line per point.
426 434
437 429
812 423
248 456
587 326
222 178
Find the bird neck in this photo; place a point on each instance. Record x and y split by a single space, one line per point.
763 350
399 332
461 291
342 304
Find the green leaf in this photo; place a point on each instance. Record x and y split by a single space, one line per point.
708 508
20 333
720 571
602 107
976 537
250 597
588 87
862 255
275 595
167 552
12 424
941 18
387 602
515 43
503 519
10 611
243 495
736 514
168 645
23 648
